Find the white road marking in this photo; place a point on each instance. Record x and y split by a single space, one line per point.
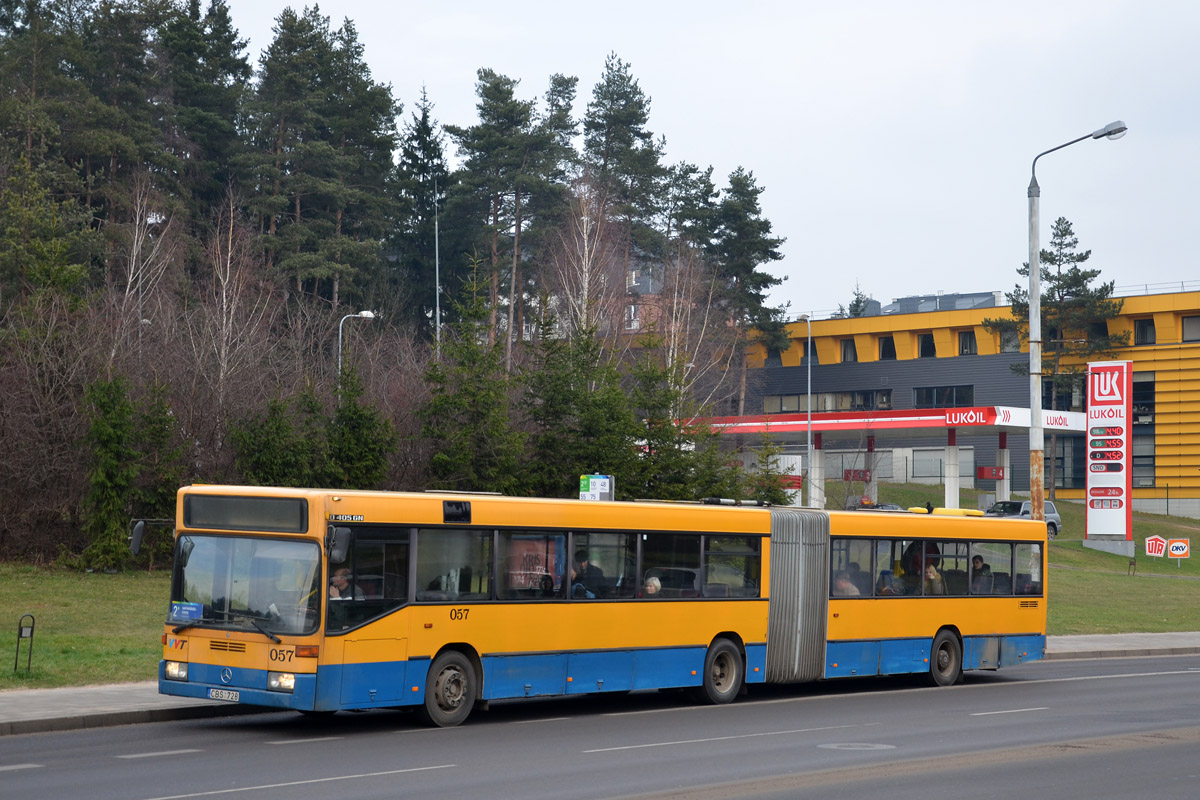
729 738
13 767
550 719
306 741
300 783
162 753
1009 711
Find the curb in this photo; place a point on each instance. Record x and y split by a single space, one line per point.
1136 652
110 718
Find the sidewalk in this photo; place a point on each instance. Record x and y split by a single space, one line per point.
41 710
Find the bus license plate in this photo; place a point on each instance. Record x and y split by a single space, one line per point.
224 694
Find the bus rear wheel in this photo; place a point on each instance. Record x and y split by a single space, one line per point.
723 673
449 690
945 661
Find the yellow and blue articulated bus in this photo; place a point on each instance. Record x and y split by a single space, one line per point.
320 601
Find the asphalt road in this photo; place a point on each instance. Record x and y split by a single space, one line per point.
1071 729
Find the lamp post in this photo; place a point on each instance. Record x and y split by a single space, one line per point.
1037 435
437 281
359 315
808 453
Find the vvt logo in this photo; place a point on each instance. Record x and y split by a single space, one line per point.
1106 386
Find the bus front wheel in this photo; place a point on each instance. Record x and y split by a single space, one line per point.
945 661
723 673
449 690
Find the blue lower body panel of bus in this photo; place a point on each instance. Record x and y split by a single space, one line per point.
847 659
245 686
400 683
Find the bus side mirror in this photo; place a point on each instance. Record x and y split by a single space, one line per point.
135 539
337 543
186 545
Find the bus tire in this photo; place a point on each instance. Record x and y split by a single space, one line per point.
723 673
945 660
449 690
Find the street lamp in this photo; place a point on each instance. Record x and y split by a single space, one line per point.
808 407
1037 436
359 315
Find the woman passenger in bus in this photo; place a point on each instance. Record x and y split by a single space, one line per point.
652 588
934 583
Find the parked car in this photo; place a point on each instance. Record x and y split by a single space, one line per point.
1016 508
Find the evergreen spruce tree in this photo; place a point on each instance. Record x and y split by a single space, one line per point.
743 245
622 154
207 73
422 184
681 456
288 446
468 418
361 439
112 478
160 472
581 418
1075 315
497 153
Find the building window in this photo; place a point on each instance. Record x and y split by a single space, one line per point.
966 343
925 346
943 396
849 351
631 279
781 403
631 318
887 348
1142 455
1143 399
865 400
1143 331
1191 329
1010 342
1070 458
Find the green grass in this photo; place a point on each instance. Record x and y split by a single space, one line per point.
95 628
91 628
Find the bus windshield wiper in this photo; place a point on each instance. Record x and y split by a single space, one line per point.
191 623
263 630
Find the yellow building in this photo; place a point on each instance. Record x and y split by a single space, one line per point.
906 357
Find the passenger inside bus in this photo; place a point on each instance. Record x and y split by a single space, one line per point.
934 584
981 576
843 586
587 580
652 588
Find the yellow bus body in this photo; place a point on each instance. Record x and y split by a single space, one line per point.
787 627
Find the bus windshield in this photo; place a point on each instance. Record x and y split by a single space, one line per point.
269 585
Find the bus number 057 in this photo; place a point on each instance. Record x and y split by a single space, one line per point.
281 655
459 613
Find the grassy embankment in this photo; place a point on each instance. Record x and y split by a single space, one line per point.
95 628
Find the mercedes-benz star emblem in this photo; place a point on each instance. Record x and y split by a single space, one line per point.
226 675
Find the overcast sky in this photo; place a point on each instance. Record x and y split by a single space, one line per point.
893 139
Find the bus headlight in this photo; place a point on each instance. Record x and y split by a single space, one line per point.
281 681
177 670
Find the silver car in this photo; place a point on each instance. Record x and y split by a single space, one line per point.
1016 508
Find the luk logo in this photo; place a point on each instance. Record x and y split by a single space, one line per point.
1106 386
